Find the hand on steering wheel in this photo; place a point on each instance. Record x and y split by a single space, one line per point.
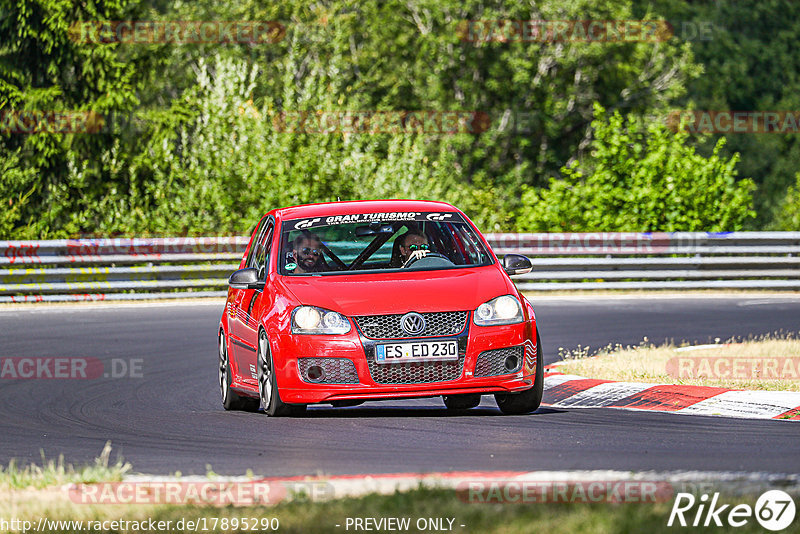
414 256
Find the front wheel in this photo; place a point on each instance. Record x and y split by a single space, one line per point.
268 384
529 400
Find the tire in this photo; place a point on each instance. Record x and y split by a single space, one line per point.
461 402
529 400
268 385
230 399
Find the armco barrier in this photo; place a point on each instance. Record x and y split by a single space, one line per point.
657 260
131 269
117 269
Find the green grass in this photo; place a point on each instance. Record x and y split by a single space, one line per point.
647 362
34 492
322 517
55 472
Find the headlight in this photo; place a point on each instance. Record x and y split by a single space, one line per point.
313 320
502 310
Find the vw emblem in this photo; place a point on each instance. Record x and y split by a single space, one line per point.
412 323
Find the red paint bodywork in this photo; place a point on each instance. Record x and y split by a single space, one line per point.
459 289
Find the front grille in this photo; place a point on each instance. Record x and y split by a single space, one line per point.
388 326
493 362
416 372
336 370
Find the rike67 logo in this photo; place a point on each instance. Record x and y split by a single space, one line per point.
774 510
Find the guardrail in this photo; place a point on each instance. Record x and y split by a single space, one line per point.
133 269
679 260
117 269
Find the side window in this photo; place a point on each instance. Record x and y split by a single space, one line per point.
262 251
256 240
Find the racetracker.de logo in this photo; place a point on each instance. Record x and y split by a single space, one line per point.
557 31
381 122
598 243
177 32
735 122
591 491
52 122
69 368
734 368
203 493
200 493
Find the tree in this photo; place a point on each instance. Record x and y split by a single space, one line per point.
401 55
640 178
44 69
748 53
788 216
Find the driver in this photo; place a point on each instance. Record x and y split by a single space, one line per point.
307 253
413 246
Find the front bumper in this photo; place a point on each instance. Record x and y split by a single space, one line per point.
475 340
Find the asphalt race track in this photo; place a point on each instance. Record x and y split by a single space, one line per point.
170 417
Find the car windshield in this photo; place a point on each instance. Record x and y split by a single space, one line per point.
370 242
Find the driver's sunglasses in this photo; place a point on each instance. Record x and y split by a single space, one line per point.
414 248
309 251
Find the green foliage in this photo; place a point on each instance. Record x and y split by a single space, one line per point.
225 163
788 217
43 69
748 50
640 177
203 156
56 472
195 163
17 184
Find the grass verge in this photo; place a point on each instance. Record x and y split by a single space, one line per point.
770 363
56 472
417 505
37 499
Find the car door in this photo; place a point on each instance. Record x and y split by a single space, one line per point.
246 324
237 348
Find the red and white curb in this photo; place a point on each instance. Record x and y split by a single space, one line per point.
572 391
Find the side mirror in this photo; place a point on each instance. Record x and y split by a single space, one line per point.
245 279
516 264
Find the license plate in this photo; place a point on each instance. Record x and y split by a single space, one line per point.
414 352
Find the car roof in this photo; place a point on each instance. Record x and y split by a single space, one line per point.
361 206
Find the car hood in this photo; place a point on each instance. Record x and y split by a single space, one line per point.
390 293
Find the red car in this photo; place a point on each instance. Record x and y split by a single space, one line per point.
346 302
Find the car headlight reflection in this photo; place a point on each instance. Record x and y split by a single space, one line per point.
314 320
501 310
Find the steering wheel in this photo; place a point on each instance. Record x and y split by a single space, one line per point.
414 259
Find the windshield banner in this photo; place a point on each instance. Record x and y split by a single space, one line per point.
316 222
